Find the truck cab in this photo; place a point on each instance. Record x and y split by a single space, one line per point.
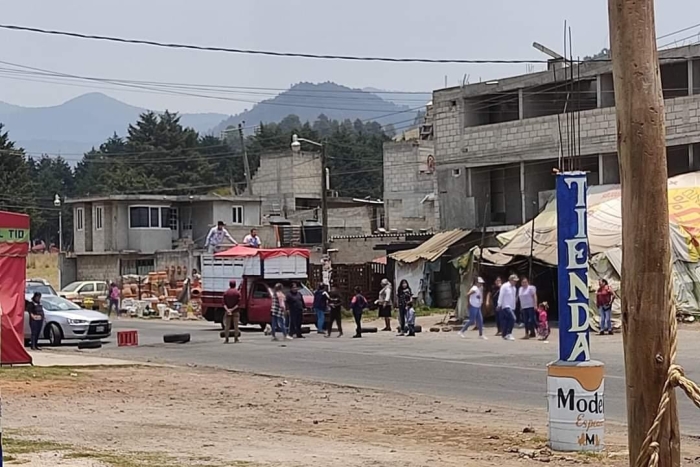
256 271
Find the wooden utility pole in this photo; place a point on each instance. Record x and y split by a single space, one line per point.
646 256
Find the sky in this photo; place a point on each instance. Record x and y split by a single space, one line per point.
464 29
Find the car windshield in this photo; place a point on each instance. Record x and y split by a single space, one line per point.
53 303
34 287
72 287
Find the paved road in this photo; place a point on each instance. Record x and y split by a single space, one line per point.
493 371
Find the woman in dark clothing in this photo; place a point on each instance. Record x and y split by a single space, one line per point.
357 305
335 308
36 319
404 295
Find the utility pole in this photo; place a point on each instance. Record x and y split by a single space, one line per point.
246 164
324 200
646 258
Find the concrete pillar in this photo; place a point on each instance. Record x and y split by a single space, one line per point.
690 78
601 176
521 104
599 91
470 191
523 209
691 157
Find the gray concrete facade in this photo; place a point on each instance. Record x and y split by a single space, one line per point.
508 135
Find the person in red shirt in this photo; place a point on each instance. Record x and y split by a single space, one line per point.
604 299
231 314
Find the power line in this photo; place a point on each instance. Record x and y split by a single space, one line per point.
172 45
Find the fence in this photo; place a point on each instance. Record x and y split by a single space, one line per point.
345 277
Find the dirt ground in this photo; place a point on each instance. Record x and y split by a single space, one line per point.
171 417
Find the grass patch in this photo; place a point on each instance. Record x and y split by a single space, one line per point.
35 373
16 446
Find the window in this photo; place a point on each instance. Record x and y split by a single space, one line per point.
261 291
101 286
79 219
139 267
98 217
169 218
149 217
87 288
237 215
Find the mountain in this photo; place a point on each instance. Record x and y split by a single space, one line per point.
77 125
309 100
413 99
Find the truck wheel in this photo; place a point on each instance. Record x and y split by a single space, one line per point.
176 338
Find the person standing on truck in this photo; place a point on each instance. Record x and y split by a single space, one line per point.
252 240
232 315
335 308
357 305
295 305
321 299
278 312
215 238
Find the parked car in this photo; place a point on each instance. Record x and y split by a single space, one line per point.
38 285
65 320
78 291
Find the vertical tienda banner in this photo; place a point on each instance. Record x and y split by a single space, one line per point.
575 383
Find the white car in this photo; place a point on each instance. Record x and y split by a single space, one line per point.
64 320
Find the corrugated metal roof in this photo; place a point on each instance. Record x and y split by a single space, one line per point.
433 248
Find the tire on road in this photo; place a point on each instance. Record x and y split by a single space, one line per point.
418 328
89 345
369 330
176 338
306 330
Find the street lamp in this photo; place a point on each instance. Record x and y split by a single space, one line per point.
296 147
57 203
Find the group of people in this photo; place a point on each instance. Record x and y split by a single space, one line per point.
531 314
215 238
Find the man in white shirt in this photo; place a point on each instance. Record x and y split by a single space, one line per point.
216 236
252 240
527 295
506 302
476 299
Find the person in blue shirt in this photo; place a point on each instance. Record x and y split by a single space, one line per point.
321 299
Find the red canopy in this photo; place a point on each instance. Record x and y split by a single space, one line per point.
265 253
14 246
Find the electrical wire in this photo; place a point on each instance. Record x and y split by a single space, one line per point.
172 45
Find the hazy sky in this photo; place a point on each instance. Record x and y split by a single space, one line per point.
495 29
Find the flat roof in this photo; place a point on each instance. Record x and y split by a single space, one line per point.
163 198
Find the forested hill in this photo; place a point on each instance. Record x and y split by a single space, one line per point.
336 102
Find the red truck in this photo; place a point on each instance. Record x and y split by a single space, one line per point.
256 271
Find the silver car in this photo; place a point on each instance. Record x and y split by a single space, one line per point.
64 320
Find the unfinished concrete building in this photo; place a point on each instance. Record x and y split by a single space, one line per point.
497 142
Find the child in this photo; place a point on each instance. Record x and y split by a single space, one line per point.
411 318
543 324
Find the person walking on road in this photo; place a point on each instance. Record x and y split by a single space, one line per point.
321 299
506 303
215 238
604 299
278 312
36 320
113 299
335 308
357 305
404 296
231 314
294 302
527 296
495 291
384 302
476 300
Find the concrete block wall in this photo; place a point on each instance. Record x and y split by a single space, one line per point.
407 183
538 138
97 267
285 172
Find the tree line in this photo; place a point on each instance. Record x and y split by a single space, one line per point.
160 156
